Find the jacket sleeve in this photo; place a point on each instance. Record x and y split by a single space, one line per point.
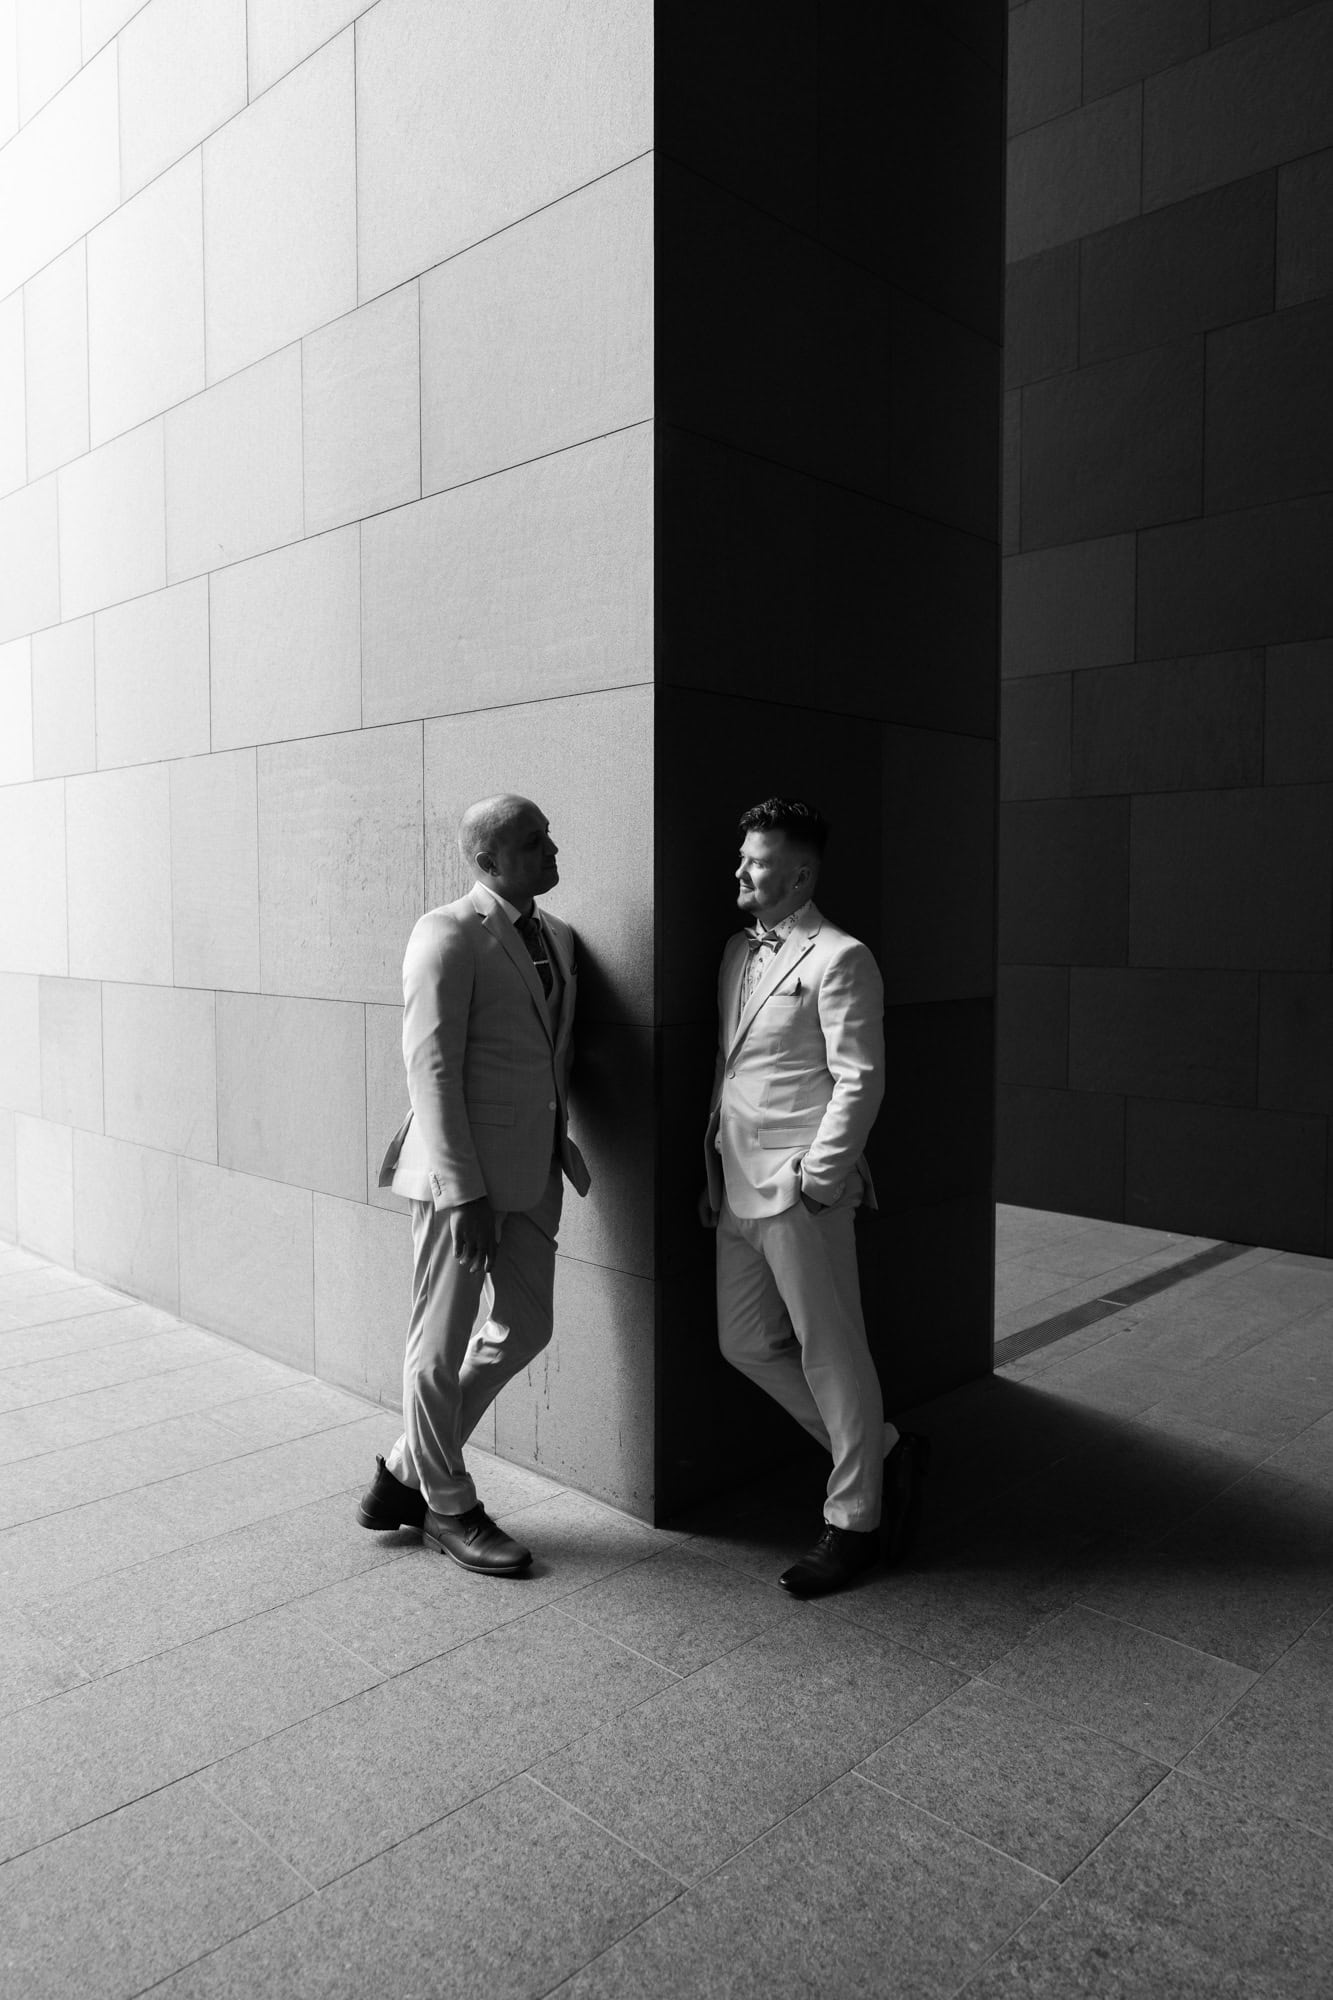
851 1014
438 973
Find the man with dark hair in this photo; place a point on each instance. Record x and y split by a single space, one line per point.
488 1010
799 1080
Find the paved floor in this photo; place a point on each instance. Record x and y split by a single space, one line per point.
1082 1746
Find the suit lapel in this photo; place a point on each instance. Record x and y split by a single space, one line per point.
784 961
500 928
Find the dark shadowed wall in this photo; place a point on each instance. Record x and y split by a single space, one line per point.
828 235
1166 1001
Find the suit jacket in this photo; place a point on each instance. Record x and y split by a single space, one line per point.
800 1074
487 1077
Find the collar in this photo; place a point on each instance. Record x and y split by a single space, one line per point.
784 926
502 903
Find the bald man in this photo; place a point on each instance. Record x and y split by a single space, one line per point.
488 1009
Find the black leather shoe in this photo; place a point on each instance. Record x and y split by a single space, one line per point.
838 1556
904 1470
473 1540
387 1503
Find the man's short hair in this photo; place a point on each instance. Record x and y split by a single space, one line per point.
801 823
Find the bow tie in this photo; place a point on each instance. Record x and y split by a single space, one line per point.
770 941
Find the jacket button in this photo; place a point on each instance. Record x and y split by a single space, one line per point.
731 1072
551 1105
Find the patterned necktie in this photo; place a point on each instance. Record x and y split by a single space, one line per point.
531 933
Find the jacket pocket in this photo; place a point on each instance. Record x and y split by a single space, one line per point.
490 1114
779 1138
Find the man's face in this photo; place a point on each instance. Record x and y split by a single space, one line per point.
524 857
774 878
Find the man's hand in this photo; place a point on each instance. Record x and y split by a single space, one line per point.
815 1207
475 1234
707 1213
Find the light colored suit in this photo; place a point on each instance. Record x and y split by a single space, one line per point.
797 1086
800 1072
488 1059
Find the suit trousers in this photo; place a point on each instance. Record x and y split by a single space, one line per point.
789 1316
469 1334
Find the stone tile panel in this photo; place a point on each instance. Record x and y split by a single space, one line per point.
1249 1176
64 725
245 1259
112 538
71 1065
501 589
215 871
1232 878
1124 40
1304 248
125 1217
55 314
1035 737
286 642
1069 607
361 404
30 590
435 89
540 337
1270 409
1114 446
146 303
20 1043
44 1172
1252 103
1251 578
291 1084
1296 1041
1060 1146
340 862
233 468
182 74
73 154
33 925
161 1072
119 866
1170 725
1064 891
280 213
152 676
1075 174
1045 64
1032 1025
1185 1035
363 1288
1199 264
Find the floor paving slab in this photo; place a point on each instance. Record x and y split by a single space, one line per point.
1275 1748
156 1605
292 1411
502 1898
70 1759
32 1488
100 1328
107 1365
116 1906
232 1492
332 1791
33 1665
1242 1578
1087 1948
694 1774
1146 1691
404 1612
1042 1790
61 1551
856 1893
681 1609
1245 1889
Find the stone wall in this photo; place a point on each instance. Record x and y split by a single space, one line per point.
1166 1007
